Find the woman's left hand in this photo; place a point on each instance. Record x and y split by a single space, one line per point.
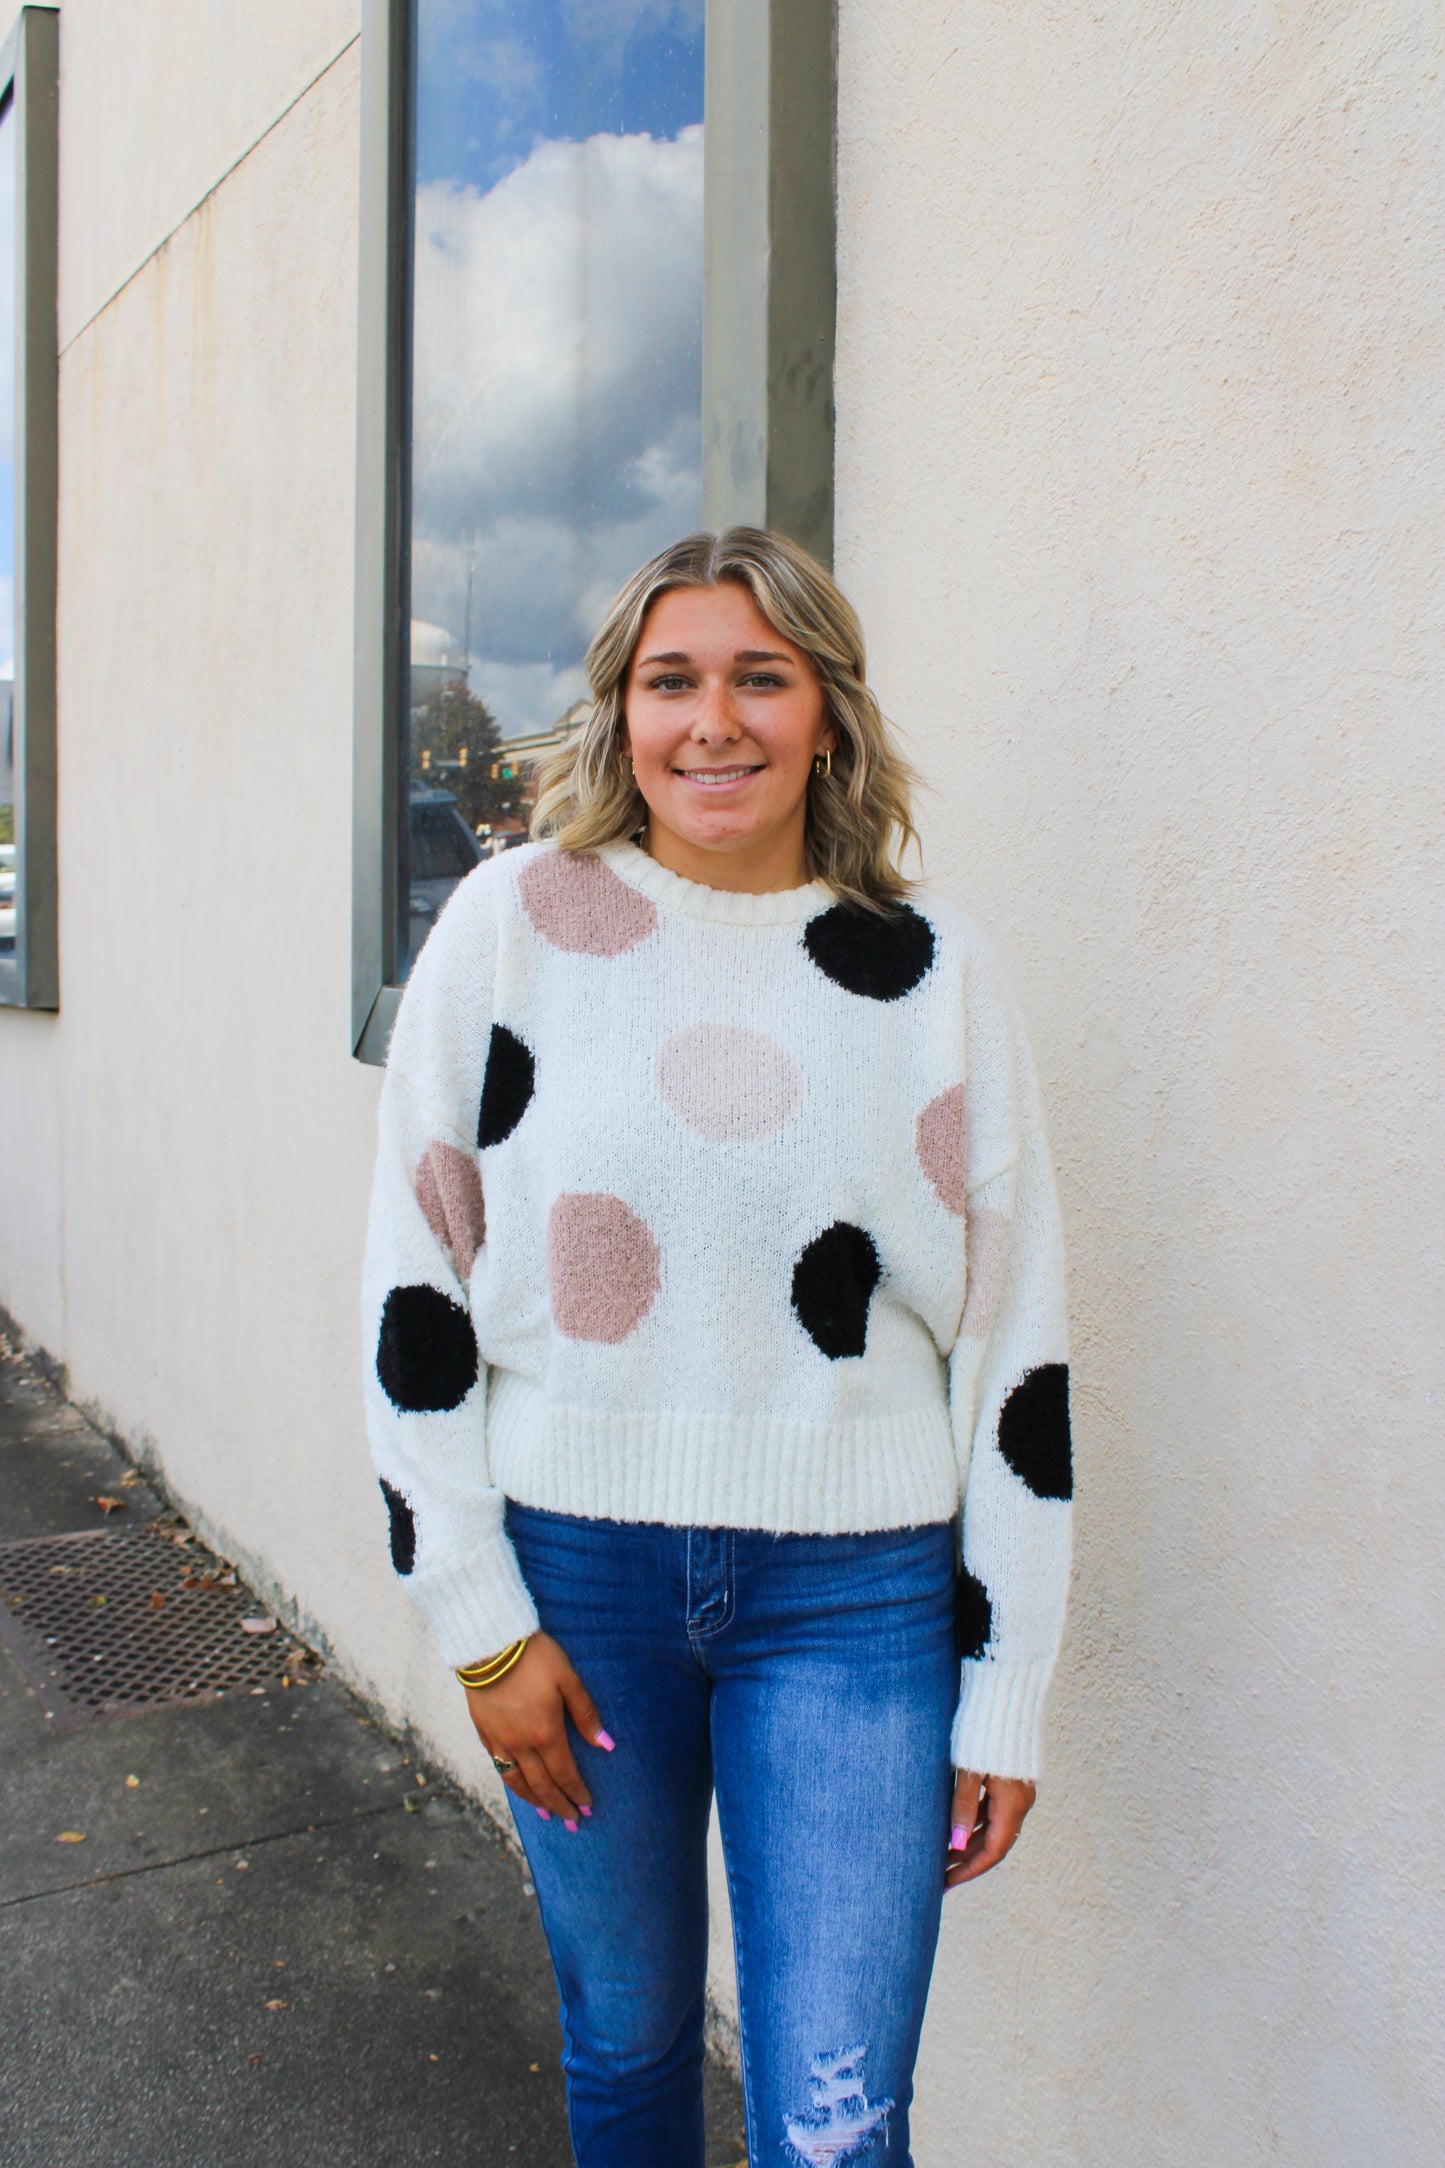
984 1828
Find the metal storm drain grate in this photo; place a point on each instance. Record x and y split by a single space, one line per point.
131 1619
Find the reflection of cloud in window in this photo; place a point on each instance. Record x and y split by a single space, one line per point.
557 393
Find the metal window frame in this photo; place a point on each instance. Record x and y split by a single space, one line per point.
769 307
30 74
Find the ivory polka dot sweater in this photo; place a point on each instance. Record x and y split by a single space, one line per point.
721 1210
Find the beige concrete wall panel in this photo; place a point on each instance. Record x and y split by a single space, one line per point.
218 1136
1140 474
32 1274
158 99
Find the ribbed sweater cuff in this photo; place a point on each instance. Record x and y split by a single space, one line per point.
476 1605
998 1728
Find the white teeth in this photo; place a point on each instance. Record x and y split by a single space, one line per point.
715 775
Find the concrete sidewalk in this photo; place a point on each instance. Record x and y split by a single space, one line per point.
249 1929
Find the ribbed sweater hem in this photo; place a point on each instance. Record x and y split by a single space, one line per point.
706 1470
998 1729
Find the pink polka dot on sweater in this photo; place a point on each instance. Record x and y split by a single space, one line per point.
602 1266
987 1240
940 1139
577 903
730 1085
449 1191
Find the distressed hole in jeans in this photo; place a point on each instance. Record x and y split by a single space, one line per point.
842 2121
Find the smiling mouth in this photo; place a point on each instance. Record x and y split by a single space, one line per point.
710 778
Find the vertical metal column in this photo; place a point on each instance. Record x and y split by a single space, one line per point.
769 267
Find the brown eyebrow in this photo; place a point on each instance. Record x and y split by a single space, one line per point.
747 654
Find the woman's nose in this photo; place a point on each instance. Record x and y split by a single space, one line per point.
715 717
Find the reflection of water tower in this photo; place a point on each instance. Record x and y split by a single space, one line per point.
435 663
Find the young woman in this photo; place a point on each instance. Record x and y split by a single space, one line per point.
715 1351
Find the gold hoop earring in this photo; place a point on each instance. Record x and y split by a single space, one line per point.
823 762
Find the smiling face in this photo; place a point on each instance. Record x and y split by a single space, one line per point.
723 718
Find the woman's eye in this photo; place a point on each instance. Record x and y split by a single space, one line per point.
665 684
762 677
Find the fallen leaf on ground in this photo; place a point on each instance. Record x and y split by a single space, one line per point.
158 1601
132 1475
257 1625
131 1783
71 1836
253 2060
535 2066
97 1602
276 2003
111 1505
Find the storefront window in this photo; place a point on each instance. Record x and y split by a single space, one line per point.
7 530
584 331
555 383
29 962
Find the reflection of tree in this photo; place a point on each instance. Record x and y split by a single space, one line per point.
454 740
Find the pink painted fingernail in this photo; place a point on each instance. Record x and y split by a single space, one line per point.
587 1814
544 1814
570 1825
606 1741
960 1837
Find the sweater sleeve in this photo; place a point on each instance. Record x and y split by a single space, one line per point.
1009 1400
425 1377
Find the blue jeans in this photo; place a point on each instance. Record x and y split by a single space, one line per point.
812 1680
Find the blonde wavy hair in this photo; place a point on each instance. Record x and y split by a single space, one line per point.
859 816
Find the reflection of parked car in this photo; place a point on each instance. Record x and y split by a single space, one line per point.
7 899
443 851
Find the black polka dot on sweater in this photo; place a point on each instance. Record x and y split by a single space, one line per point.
882 957
974 1613
833 1281
403 1528
426 1353
507 1086
1033 1431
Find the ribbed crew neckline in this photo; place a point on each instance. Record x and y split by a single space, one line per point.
723 906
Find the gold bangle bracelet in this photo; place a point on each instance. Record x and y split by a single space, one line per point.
492 1667
475 1676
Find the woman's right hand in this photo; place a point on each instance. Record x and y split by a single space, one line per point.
523 1719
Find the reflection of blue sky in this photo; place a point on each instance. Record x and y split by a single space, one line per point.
496 77
557 328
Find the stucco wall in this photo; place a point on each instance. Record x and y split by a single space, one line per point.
1140 474
1140 469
